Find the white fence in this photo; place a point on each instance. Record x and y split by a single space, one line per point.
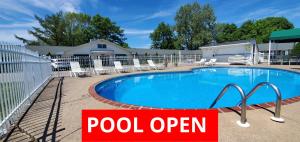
279 59
61 65
22 76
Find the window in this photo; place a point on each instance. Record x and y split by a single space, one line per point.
101 46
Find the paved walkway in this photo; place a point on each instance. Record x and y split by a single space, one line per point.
42 122
74 98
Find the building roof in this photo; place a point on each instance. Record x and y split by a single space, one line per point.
112 48
253 41
141 51
275 46
227 44
91 46
55 50
80 49
286 35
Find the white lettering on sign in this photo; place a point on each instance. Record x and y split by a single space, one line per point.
157 124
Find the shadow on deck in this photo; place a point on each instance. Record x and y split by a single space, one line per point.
42 121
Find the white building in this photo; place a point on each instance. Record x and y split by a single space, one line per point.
105 48
222 52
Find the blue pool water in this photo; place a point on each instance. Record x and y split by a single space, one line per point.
198 88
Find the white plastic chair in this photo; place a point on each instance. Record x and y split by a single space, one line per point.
153 66
98 68
211 62
119 68
137 65
201 62
76 69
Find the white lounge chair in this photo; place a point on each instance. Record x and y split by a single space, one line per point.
137 65
76 69
239 59
211 62
119 68
201 62
98 68
153 66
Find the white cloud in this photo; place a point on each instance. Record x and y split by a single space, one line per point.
10 6
56 5
137 32
6 18
14 26
290 13
20 25
9 35
159 14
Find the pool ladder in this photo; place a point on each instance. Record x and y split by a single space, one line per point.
243 103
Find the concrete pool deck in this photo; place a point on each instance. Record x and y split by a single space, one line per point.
75 98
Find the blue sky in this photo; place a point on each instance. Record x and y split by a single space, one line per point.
137 17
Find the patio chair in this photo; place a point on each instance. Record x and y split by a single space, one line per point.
211 62
153 66
119 68
239 59
138 66
201 62
76 70
98 68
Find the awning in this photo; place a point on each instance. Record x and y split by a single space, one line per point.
292 35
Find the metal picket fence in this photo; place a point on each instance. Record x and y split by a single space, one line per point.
23 74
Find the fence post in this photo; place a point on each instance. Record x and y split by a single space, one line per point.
23 73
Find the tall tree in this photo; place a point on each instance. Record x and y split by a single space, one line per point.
227 32
104 28
261 29
52 31
247 30
163 37
71 29
76 25
195 25
264 27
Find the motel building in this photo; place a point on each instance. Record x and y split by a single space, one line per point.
104 48
246 50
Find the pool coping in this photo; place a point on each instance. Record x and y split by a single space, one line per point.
95 95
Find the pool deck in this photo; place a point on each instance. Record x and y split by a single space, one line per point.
75 98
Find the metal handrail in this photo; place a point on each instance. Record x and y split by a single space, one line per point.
241 91
278 99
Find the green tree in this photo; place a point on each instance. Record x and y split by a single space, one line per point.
195 25
264 27
104 28
247 30
296 50
163 37
76 25
227 32
52 31
261 29
71 29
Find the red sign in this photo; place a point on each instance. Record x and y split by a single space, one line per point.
149 125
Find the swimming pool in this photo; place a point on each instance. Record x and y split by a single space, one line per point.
198 88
